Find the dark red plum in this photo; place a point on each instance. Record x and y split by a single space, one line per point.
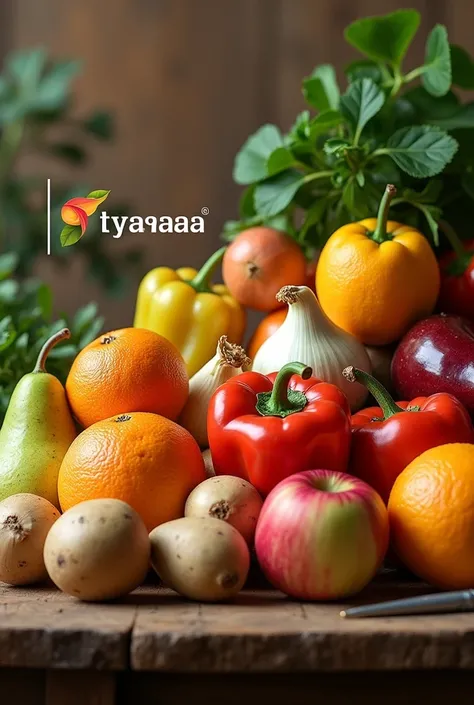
436 355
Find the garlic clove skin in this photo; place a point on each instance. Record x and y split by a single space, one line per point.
229 360
307 335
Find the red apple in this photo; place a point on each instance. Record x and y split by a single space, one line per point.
321 535
436 355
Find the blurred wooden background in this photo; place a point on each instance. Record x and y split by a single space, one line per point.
188 81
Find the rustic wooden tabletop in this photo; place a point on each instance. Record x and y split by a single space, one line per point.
156 648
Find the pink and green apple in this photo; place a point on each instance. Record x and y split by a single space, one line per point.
321 535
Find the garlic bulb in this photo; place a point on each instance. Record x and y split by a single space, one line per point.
228 361
309 336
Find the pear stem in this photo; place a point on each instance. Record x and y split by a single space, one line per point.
62 334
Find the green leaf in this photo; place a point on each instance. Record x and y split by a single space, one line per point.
321 90
463 118
83 318
275 194
313 216
279 160
430 108
462 67
300 128
44 298
361 202
54 87
251 162
246 204
100 124
432 215
336 145
324 121
363 68
8 290
100 193
428 195
8 264
70 234
437 74
421 151
25 67
362 100
92 332
62 352
73 153
384 38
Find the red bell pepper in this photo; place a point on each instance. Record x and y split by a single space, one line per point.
265 428
386 438
457 280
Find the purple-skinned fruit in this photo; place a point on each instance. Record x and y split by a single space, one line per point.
436 355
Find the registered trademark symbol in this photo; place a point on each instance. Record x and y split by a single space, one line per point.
204 210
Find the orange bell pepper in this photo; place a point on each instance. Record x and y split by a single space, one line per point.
377 277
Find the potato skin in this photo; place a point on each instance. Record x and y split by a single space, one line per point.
230 499
202 559
99 550
25 520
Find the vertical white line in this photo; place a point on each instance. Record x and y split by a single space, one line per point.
48 216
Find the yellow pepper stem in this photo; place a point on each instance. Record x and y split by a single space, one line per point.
380 233
201 282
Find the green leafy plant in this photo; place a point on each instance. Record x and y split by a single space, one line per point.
26 323
37 119
390 125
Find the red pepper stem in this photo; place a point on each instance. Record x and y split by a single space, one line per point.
201 282
380 233
378 391
62 334
282 401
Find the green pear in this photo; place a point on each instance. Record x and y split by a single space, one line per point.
36 433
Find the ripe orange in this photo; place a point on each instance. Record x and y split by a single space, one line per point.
127 370
143 459
431 512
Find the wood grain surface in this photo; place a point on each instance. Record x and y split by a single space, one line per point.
261 631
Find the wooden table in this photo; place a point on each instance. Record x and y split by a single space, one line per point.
158 649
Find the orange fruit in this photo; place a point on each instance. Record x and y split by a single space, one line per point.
431 512
258 263
143 459
127 370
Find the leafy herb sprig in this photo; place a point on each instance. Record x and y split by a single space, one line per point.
37 117
26 323
389 126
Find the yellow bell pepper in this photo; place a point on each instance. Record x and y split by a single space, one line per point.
184 307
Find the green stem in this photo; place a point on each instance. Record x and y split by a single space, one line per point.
62 334
380 233
463 258
201 282
397 82
453 239
378 391
282 401
318 175
411 75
